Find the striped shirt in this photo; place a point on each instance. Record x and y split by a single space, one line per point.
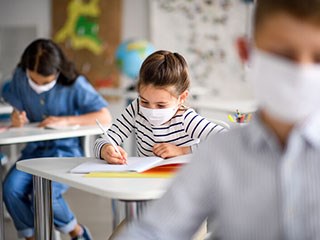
186 128
248 184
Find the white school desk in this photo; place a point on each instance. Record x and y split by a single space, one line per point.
33 134
5 108
135 192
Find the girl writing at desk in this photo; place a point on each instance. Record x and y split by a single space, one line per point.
47 89
162 124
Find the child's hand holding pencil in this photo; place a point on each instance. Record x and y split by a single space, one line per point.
18 118
111 152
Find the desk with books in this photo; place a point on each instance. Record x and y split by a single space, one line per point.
30 133
135 192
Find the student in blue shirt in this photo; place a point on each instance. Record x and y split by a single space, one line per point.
47 89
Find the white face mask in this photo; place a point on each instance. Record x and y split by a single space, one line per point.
158 117
41 88
287 91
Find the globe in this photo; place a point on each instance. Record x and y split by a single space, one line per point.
130 55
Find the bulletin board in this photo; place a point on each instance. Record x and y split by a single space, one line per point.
89 32
205 32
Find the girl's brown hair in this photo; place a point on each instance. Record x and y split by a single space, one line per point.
46 58
164 69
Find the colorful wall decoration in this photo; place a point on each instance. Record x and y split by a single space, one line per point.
89 32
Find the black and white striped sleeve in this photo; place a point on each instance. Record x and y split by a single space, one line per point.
120 130
198 127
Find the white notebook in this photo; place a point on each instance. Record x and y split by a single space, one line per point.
62 127
135 164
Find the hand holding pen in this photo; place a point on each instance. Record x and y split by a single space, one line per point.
111 152
18 118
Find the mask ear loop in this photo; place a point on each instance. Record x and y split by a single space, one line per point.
57 76
28 76
181 105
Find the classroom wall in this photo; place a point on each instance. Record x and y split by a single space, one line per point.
26 13
36 14
135 19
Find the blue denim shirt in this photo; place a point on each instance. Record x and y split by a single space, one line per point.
77 99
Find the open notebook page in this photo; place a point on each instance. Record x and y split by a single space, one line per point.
135 164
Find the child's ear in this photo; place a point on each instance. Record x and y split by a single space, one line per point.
184 96
243 49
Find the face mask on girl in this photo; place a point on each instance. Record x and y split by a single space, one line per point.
160 116
41 88
286 90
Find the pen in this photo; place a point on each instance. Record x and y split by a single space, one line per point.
110 140
230 118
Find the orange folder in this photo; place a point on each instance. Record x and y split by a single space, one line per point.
166 171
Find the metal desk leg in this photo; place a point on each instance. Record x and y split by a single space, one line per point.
1 206
134 208
86 146
43 219
126 210
117 208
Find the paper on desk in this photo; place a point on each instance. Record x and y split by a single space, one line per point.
135 164
3 128
129 175
26 127
62 127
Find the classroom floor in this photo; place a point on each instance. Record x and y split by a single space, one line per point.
91 210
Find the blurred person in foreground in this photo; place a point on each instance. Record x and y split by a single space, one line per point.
260 181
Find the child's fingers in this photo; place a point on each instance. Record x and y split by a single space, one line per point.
158 147
23 117
113 153
23 114
105 152
123 153
18 118
47 121
161 152
115 160
164 154
113 157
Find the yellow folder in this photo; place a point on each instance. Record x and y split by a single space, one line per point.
157 172
128 175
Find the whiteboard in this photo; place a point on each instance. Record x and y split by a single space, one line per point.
204 32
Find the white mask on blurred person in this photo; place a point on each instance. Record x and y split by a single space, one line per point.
287 91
